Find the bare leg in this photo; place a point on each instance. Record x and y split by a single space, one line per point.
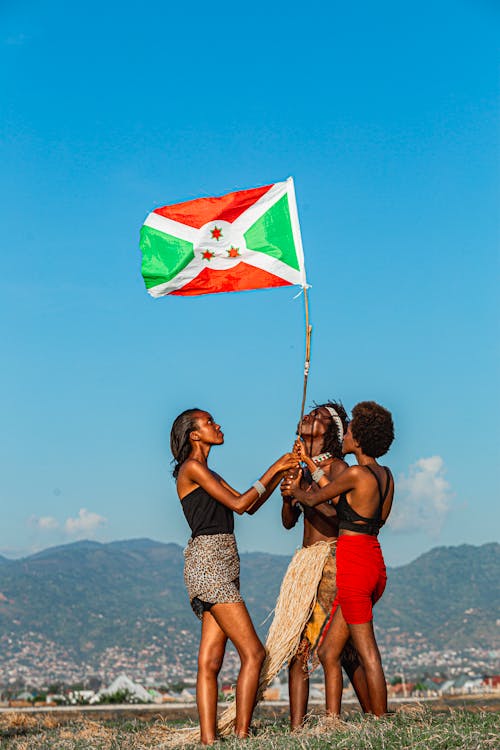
298 690
330 653
235 621
356 674
210 657
364 641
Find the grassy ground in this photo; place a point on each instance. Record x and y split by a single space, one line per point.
418 728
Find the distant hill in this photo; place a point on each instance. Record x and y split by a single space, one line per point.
450 594
89 596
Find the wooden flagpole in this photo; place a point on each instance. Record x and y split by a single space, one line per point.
308 354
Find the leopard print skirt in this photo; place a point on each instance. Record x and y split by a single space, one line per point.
212 571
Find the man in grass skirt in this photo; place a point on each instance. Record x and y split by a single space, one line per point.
322 431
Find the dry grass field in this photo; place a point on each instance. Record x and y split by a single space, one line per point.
417 727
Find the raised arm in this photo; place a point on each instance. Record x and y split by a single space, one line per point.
259 502
270 487
345 482
196 473
321 477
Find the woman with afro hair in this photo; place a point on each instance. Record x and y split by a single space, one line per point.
362 496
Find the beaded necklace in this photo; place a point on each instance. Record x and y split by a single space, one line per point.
321 457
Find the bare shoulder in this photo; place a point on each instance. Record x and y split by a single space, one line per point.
192 468
355 474
336 468
356 471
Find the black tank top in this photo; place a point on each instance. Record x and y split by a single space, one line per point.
348 516
205 515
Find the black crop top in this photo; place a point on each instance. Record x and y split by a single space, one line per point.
205 515
348 516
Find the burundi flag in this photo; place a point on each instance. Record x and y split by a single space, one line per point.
244 240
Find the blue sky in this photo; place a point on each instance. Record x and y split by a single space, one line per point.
387 117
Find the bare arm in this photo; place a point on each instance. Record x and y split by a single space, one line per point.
290 511
299 449
345 482
259 502
197 474
267 494
290 514
325 509
226 485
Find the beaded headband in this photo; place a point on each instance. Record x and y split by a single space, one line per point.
337 421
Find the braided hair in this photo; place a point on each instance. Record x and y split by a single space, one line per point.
180 445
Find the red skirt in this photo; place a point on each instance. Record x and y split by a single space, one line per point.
361 577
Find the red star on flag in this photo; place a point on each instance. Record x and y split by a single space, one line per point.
216 233
207 255
233 252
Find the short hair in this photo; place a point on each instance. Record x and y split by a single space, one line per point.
180 444
332 441
372 427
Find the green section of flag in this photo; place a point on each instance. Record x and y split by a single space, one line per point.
163 256
272 234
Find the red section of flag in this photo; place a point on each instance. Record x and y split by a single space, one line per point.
199 212
240 278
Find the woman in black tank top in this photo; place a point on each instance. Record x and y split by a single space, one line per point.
363 497
211 569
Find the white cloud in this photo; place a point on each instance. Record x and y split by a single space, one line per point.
423 498
44 523
85 522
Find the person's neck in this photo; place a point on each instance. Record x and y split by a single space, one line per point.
199 452
364 460
314 447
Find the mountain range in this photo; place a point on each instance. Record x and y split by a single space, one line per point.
89 596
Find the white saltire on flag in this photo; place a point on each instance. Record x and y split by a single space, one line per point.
244 240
